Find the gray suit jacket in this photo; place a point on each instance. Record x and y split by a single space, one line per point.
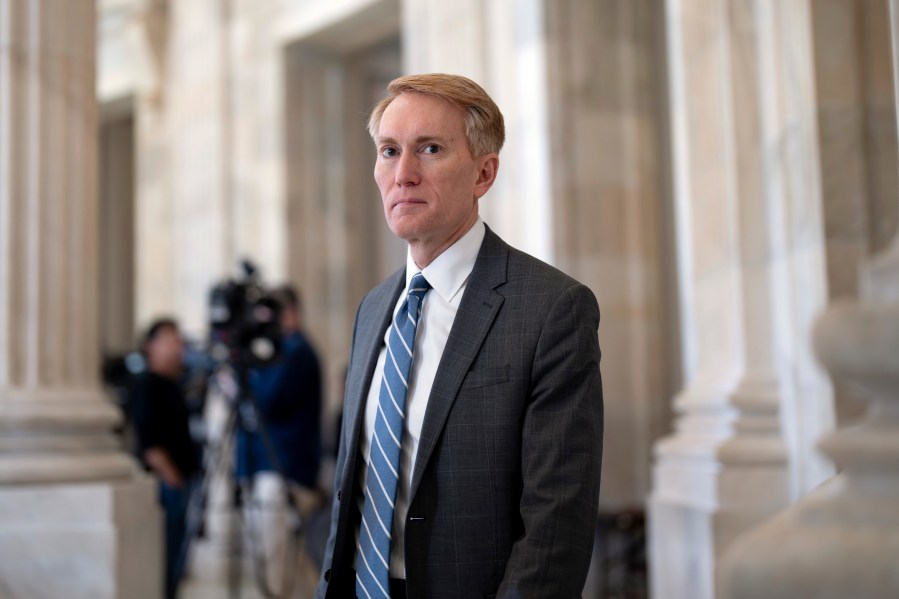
505 486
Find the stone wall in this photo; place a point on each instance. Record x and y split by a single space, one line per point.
78 518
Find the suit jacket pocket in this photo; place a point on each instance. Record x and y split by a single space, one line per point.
485 377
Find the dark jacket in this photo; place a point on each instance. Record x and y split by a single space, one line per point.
161 419
288 396
504 492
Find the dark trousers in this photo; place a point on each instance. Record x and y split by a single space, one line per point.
397 588
174 504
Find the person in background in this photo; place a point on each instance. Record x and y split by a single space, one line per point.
163 439
288 399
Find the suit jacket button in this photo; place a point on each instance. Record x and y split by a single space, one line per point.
328 575
339 494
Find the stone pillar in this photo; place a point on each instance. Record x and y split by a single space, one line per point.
752 276
502 46
76 518
605 107
858 147
199 121
154 204
843 539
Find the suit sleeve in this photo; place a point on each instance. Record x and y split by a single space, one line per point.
322 589
561 455
339 470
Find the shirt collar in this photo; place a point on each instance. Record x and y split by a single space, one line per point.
448 272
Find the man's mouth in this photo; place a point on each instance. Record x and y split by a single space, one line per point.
407 202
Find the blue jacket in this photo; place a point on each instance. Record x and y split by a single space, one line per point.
288 396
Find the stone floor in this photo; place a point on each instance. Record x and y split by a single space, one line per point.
209 577
220 565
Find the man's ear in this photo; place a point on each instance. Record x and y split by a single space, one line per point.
488 167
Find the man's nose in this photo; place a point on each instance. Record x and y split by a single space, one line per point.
407 169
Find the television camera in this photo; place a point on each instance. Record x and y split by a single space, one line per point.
245 322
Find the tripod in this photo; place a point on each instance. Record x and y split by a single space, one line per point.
243 418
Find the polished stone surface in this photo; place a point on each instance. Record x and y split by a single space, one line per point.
842 540
77 519
83 541
752 277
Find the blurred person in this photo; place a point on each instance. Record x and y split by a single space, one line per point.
164 444
469 462
288 400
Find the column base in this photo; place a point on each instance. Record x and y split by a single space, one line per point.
706 493
838 541
50 436
678 571
90 541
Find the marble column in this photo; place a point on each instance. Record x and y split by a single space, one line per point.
199 130
76 517
858 147
843 539
503 46
155 283
751 278
609 228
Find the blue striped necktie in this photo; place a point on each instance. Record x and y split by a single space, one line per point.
373 555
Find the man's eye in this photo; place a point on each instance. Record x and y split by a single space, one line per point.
431 149
388 152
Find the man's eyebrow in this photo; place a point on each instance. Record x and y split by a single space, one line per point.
418 140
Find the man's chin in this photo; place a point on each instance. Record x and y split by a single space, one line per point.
405 229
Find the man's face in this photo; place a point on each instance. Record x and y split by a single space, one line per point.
290 319
165 352
429 181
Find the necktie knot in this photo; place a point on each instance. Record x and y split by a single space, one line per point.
419 285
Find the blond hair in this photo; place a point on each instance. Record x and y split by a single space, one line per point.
484 126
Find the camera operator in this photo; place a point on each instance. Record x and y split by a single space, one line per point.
163 438
288 400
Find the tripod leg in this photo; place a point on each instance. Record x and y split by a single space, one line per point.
269 527
217 490
235 542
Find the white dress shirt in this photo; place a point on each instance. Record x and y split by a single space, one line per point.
448 276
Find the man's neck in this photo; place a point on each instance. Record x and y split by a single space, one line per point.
166 374
423 252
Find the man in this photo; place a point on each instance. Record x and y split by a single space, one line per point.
288 398
163 436
474 471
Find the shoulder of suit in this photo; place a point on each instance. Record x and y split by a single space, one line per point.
524 267
520 265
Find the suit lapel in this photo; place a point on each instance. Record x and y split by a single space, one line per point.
480 305
372 325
